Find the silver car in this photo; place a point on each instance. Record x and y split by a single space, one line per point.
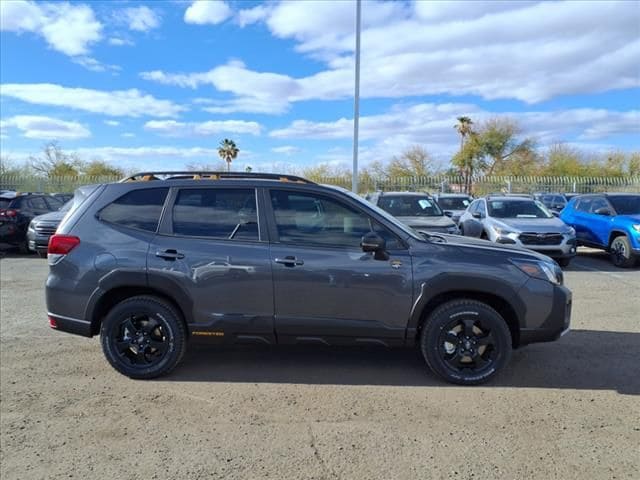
521 222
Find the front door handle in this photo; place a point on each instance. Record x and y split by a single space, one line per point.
289 261
169 254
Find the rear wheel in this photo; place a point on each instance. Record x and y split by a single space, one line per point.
564 262
143 337
42 253
621 254
465 342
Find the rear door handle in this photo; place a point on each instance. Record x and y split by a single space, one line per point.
289 261
169 254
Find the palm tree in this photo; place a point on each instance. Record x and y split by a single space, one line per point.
464 129
228 151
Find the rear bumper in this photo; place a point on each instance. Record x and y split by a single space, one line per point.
557 321
70 325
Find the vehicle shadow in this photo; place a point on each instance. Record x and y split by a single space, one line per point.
596 259
13 253
583 359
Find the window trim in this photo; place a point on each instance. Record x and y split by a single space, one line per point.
166 220
273 227
128 227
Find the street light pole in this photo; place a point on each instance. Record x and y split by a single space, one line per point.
356 102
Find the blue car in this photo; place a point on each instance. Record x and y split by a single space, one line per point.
609 221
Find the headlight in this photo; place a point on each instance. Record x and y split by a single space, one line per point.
571 232
453 229
31 226
503 231
636 227
539 269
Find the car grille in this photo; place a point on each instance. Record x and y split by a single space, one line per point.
541 238
46 229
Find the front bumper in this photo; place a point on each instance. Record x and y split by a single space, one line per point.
566 249
37 242
550 316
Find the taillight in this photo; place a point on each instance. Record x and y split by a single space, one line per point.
52 322
9 213
62 244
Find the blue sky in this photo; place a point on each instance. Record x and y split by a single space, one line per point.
159 84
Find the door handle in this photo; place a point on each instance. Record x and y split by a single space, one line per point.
289 261
169 254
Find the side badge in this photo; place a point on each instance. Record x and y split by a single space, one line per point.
396 264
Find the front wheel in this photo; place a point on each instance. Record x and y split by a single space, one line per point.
143 337
621 254
465 342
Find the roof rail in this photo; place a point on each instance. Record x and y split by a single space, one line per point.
210 175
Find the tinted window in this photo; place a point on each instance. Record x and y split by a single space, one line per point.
38 203
626 204
229 214
584 204
318 220
453 203
54 203
4 202
137 209
517 209
597 204
410 206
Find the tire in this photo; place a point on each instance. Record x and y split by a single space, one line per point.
42 253
143 337
564 262
620 250
464 322
23 248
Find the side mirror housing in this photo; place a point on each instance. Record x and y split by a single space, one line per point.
603 211
372 242
448 213
477 215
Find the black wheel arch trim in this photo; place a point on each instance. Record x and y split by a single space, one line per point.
446 283
139 283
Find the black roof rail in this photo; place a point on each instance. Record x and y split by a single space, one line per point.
212 175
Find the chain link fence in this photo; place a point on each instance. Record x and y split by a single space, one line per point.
480 185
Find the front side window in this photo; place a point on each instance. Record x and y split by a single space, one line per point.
138 209
597 204
38 203
221 213
318 220
410 206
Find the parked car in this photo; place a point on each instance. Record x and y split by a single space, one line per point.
64 197
554 202
608 221
16 213
453 204
43 226
418 210
522 222
293 263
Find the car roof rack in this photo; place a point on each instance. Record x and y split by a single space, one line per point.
212 175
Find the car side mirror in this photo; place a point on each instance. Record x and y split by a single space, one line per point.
448 213
603 211
477 215
372 242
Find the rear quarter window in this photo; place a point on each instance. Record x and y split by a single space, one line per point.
139 209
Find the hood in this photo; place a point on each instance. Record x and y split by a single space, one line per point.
635 218
498 248
427 222
538 225
51 217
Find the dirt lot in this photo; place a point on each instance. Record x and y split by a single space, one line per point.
569 409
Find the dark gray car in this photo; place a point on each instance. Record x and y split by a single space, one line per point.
273 259
42 227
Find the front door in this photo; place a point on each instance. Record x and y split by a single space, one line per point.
326 289
210 245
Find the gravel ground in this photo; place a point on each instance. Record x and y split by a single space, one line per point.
568 409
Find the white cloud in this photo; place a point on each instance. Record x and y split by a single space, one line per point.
287 150
46 128
495 50
112 123
67 28
171 128
94 65
119 42
128 135
203 12
140 19
128 103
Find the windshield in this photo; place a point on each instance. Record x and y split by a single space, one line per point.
517 209
4 202
410 206
626 204
453 203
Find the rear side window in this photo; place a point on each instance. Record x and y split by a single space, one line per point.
139 209
38 203
222 213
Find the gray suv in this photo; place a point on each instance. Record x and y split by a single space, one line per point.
162 260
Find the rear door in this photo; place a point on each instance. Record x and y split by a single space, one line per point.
212 248
326 289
